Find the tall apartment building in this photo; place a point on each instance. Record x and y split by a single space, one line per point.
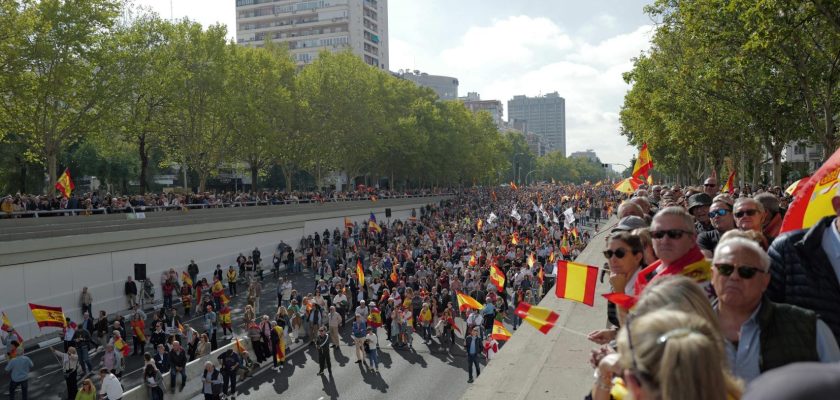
310 26
546 116
474 103
446 87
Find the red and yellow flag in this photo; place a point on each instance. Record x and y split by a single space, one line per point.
479 224
466 302
514 239
531 260
373 198
513 186
237 345
729 186
373 226
541 276
795 187
185 277
224 316
551 257
138 325
48 316
122 347
8 328
576 282
493 195
451 322
64 184
643 163
348 223
180 327
374 319
395 277
812 202
500 333
497 277
360 271
280 353
224 299
472 262
539 317
628 186
564 246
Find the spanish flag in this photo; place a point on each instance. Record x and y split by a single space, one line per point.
497 277
541 275
8 328
238 346
138 325
813 201
539 317
466 302
48 316
224 316
374 319
65 183
479 224
394 276
576 282
185 277
643 163
218 289
472 261
348 223
514 238
551 257
373 198
280 354
531 260
513 185
451 322
360 271
122 347
564 246
224 299
500 333
373 226
729 186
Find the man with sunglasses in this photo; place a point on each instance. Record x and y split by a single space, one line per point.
675 243
749 214
720 213
760 334
806 268
710 187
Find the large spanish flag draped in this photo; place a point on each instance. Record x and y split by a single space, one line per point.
185 277
122 347
360 271
374 319
628 185
500 332
541 318
692 264
64 184
280 352
465 302
576 282
497 277
813 201
729 186
48 316
138 325
643 163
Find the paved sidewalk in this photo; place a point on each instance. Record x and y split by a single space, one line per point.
553 366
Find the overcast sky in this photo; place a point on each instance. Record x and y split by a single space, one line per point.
501 48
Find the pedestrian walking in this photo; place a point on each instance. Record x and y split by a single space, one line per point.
359 333
474 347
323 345
371 349
229 361
18 369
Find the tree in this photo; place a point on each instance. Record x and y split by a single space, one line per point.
59 80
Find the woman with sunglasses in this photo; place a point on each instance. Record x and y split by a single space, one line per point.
87 392
625 256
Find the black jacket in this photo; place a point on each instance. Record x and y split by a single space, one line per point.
130 288
802 275
162 362
478 345
178 359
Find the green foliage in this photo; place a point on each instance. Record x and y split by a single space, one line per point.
575 170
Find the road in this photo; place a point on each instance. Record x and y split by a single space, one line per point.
46 381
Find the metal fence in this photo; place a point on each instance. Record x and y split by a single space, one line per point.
238 204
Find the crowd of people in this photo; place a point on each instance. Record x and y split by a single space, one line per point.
712 302
713 296
22 205
413 270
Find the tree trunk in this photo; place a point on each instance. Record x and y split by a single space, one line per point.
829 138
255 170
51 170
287 175
202 181
144 162
776 154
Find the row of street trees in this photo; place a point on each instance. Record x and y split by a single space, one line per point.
120 93
738 80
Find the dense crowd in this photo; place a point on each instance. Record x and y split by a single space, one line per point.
714 303
413 270
97 201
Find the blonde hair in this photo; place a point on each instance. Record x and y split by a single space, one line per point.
676 292
676 355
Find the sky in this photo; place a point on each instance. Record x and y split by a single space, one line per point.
502 48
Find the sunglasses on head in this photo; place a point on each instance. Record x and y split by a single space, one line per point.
743 271
619 253
740 214
718 213
671 233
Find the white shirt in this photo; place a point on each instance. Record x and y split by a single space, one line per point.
111 387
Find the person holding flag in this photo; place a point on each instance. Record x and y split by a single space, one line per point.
12 341
278 344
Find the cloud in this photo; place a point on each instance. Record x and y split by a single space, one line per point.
533 56
516 40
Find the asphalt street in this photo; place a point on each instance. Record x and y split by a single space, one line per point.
46 381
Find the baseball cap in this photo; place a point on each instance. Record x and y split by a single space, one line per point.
629 223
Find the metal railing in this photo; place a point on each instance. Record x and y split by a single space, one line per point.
185 207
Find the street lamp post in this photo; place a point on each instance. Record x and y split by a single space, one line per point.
527 175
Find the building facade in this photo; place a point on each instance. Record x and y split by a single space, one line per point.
589 154
474 103
309 26
446 87
546 116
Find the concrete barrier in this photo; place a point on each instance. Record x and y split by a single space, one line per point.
194 369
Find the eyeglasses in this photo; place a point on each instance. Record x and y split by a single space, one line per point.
672 234
743 271
740 214
619 253
718 213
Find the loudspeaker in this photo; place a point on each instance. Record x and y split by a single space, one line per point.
140 272
387 213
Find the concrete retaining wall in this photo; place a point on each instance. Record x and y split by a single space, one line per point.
57 268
